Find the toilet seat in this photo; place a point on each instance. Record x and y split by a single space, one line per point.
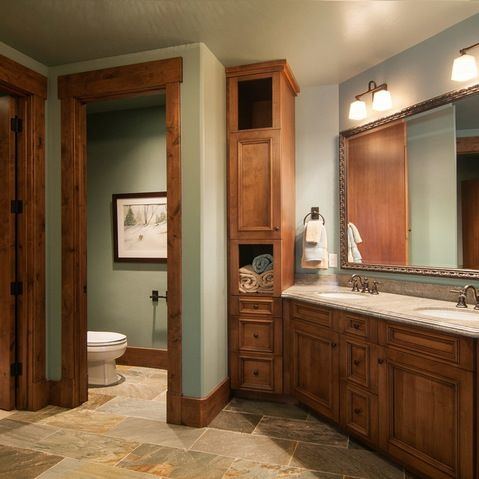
101 339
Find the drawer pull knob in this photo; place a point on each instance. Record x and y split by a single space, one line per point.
255 306
333 345
357 411
356 325
255 335
276 228
356 362
255 372
380 361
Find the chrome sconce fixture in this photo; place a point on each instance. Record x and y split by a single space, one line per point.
464 67
382 101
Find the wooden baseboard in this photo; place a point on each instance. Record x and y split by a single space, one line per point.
145 357
198 412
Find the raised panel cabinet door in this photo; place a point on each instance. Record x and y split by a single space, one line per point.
255 190
426 416
315 368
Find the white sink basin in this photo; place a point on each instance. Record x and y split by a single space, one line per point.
342 295
449 313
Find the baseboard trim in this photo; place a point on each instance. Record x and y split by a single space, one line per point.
145 357
199 412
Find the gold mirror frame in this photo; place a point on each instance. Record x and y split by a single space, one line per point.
343 136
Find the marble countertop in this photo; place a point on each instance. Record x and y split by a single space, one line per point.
395 307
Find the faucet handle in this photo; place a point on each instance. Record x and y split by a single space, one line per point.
374 288
461 300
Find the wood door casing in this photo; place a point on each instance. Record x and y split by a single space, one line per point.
255 196
470 223
7 253
377 193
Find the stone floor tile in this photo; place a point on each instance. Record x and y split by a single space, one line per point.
95 401
37 416
264 408
131 389
235 421
22 434
143 408
245 446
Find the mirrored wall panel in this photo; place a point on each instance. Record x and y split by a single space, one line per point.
411 190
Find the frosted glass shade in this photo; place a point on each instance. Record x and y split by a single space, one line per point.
357 110
464 68
382 100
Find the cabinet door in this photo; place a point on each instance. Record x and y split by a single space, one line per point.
426 415
254 189
315 368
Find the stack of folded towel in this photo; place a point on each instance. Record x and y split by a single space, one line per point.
257 277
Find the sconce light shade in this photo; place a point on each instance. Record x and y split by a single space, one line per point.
357 110
382 100
464 68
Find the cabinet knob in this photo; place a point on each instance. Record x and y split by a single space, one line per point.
357 411
356 362
255 306
380 361
255 335
255 372
356 325
333 345
276 228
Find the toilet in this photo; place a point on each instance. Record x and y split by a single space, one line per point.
103 349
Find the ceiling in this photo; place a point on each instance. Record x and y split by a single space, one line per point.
324 41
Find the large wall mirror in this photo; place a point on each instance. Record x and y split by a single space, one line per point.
409 187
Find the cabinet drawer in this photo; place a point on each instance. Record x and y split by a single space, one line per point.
256 306
256 334
359 363
359 326
260 373
430 344
359 412
313 314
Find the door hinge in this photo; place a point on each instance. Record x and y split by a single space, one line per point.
16 288
16 124
16 369
16 207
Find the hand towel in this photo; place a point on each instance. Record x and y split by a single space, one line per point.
313 231
262 263
315 254
354 238
249 280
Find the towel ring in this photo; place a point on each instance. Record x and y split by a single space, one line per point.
315 215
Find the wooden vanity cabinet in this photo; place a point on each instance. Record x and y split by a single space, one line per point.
404 390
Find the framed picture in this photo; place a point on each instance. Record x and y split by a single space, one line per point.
140 227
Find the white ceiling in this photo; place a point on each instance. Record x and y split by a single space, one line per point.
324 41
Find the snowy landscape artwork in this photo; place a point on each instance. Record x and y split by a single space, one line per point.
140 227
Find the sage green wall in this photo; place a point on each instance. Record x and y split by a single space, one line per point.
126 154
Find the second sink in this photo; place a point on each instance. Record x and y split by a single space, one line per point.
449 313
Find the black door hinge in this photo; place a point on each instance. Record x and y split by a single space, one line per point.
16 207
16 288
16 369
16 124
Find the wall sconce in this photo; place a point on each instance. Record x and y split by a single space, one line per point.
464 67
382 101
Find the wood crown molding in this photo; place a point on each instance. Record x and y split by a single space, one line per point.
265 67
126 80
19 79
199 412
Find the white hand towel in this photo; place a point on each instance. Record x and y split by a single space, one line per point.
315 255
354 255
313 231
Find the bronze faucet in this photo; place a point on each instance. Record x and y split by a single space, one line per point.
461 300
356 281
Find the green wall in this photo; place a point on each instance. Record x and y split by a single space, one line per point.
126 154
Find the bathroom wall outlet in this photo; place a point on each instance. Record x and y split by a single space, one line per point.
333 260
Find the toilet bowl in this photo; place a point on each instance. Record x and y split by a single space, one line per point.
103 349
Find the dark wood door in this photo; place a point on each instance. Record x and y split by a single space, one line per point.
426 416
7 253
470 223
315 367
377 193
254 190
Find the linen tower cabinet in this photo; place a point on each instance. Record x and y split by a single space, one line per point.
261 219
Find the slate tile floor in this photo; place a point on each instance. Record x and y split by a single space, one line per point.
121 433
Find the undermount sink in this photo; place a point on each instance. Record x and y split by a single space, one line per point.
449 313
341 295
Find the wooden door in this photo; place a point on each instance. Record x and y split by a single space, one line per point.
470 223
377 193
7 253
315 367
426 415
254 189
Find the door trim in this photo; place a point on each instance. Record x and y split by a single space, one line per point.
30 88
74 92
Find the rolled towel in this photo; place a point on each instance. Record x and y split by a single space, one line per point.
249 281
266 281
262 263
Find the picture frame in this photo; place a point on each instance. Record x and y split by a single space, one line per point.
140 227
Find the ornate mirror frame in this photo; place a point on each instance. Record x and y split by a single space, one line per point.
343 138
